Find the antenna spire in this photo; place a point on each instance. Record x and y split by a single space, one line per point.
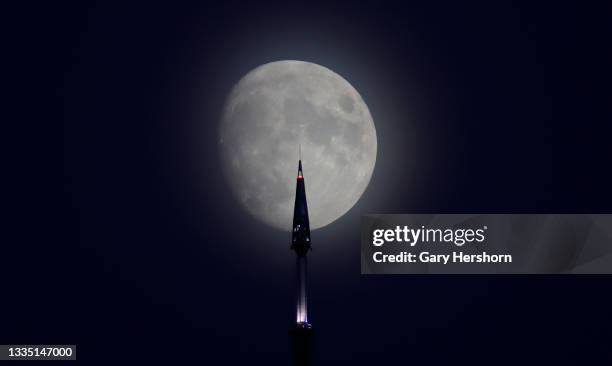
300 151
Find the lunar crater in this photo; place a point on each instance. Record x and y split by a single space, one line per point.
346 103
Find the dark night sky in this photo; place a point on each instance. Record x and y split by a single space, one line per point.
124 239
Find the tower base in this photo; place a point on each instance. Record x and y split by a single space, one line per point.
303 325
301 337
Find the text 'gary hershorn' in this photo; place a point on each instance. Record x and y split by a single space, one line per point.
413 237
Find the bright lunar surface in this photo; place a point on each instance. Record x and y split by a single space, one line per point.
273 110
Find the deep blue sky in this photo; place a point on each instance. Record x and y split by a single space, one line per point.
125 240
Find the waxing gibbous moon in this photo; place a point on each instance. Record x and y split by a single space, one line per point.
273 110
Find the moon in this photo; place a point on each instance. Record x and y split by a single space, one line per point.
269 113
